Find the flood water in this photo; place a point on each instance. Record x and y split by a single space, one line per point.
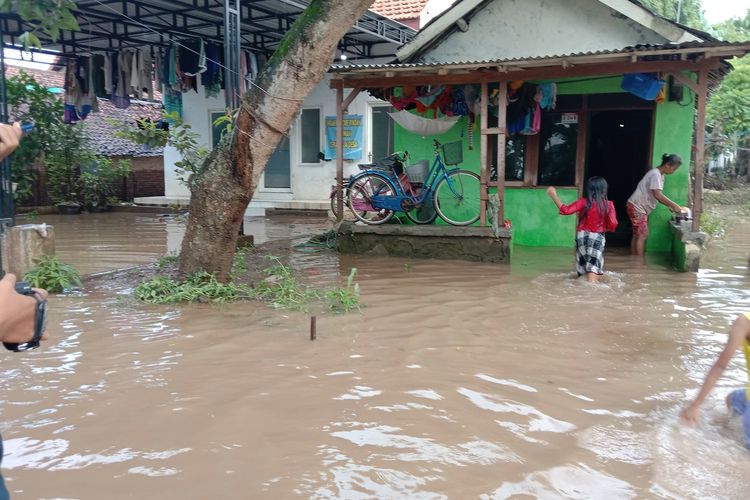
457 380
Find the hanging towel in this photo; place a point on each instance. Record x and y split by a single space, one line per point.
423 126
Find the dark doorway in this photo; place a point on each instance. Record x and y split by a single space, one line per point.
618 150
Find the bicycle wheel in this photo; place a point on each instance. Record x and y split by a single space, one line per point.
457 198
349 215
360 196
424 213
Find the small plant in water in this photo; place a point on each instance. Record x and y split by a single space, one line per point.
53 275
200 287
167 260
713 225
344 299
282 288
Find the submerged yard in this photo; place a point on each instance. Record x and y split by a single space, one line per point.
456 379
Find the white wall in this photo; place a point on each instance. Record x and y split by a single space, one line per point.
524 28
310 182
195 111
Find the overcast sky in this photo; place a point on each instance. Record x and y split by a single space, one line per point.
719 10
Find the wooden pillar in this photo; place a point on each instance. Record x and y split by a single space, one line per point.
484 175
340 153
501 127
700 134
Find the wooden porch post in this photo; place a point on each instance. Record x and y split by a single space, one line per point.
501 119
700 133
340 153
484 175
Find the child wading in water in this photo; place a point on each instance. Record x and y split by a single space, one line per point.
738 401
596 216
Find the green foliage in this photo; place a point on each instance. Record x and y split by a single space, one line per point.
729 107
736 29
49 16
690 11
64 161
167 260
283 290
98 181
713 225
53 275
30 101
239 266
200 287
344 299
180 136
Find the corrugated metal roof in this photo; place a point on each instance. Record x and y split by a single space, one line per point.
636 49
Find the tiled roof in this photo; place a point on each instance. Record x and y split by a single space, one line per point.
101 133
398 9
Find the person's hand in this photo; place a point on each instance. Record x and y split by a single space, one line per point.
551 191
684 210
10 138
17 312
691 415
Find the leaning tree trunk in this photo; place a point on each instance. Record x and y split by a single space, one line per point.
227 179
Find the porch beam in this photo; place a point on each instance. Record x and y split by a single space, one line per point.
502 111
684 80
483 156
340 154
700 135
352 95
486 75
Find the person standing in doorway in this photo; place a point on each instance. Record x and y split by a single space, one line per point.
645 197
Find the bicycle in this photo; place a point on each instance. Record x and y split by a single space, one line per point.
372 178
451 194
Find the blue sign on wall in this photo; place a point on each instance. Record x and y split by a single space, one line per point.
353 126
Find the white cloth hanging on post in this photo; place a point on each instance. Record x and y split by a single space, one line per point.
424 126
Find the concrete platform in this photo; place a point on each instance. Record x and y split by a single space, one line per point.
430 242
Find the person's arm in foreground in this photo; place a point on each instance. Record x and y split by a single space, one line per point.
10 137
739 332
16 312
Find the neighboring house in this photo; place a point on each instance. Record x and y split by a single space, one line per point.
585 48
147 165
406 12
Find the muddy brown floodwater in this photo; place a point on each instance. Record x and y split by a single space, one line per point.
457 380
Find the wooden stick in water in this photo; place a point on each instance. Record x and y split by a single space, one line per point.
313 328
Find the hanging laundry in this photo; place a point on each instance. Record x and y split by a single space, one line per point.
549 95
192 57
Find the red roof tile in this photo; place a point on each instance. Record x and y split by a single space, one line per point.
398 9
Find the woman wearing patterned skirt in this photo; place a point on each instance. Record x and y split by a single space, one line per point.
596 216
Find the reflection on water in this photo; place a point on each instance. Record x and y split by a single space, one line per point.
457 380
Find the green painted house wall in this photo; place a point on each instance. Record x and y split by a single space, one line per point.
534 217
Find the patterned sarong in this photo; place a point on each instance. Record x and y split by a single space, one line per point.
589 252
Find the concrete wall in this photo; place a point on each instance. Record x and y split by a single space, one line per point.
540 28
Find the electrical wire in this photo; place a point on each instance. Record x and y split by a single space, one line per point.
197 53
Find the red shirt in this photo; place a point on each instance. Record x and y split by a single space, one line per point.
594 221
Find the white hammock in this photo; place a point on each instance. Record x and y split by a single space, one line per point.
424 126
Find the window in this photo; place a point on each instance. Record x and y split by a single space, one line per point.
558 144
381 133
310 135
515 158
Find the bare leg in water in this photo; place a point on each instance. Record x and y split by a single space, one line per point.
592 277
638 244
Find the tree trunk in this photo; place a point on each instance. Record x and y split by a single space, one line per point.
228 178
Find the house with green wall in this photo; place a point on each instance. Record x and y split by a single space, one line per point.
583 50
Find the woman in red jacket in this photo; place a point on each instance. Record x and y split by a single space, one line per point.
596 216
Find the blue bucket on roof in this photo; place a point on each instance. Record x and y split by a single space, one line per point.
644 85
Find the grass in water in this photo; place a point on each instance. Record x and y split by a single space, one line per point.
199 287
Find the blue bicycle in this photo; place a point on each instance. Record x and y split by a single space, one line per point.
374 196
